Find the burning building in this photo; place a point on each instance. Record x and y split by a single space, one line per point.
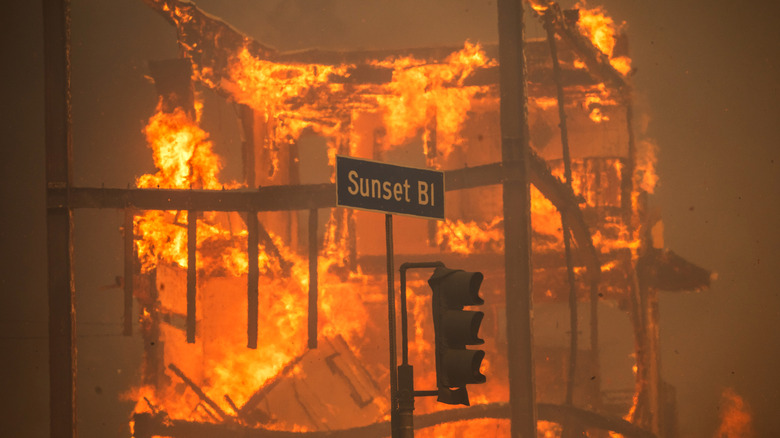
262 303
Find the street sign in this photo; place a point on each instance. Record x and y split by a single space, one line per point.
371 185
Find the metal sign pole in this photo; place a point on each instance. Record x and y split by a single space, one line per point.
394 426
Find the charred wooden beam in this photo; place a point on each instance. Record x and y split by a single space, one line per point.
192 273
313 280
665 270
129 262
305 197
253 274
247 115
147 294
270 198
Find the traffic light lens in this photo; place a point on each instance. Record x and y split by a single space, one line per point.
461 328
462 367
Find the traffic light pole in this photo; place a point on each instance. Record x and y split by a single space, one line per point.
406 392
402 391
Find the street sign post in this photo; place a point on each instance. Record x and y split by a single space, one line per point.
371 185
391 189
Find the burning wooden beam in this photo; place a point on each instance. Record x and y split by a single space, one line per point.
199 392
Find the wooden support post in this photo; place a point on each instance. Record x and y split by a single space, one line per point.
573 308
59 219
247 115
253 274
313 279
129 271
517 219
627 177
192 273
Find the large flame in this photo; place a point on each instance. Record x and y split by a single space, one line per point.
421 91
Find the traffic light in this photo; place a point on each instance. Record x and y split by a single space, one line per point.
455 328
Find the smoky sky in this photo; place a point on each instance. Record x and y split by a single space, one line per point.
705 86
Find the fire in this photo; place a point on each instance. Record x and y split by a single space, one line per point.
736 420
645 165
421 91
182 153
601 29
184 159
470 237
425 99
288 92
595 100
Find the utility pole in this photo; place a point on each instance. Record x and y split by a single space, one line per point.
59 219
517 218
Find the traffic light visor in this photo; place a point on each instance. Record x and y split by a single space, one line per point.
459 288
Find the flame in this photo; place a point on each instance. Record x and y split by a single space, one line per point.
184 158
645 165
182 153
597 98
289 92
601 30
470 237
736 419
420 91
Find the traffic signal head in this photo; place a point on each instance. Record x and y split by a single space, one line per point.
455 328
